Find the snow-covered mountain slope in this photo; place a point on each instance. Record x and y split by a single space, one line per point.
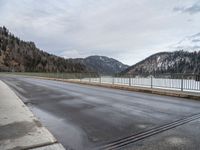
167 62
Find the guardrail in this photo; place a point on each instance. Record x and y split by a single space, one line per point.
179 82
182 84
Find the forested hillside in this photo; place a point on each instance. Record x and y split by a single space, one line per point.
18 55
102 65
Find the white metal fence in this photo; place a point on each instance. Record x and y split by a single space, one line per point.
151 82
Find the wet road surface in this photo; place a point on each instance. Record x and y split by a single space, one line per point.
87 117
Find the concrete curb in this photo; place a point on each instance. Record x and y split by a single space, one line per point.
19 128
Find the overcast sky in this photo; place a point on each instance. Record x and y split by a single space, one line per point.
127 30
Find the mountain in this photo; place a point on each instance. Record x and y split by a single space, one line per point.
167 62
18 55
102 64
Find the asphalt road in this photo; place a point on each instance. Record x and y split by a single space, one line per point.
87 117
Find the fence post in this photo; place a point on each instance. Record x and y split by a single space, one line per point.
89 77
100 79
129 80
113 80
182 83
151 82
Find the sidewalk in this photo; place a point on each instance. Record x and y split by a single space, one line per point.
19 128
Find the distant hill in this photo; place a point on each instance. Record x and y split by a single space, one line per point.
18 55
102 64
167 62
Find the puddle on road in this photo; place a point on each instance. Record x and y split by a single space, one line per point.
176 141
142 126
67 134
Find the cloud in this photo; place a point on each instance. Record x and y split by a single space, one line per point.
189 43
71 54
194 9
126 30
196 40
